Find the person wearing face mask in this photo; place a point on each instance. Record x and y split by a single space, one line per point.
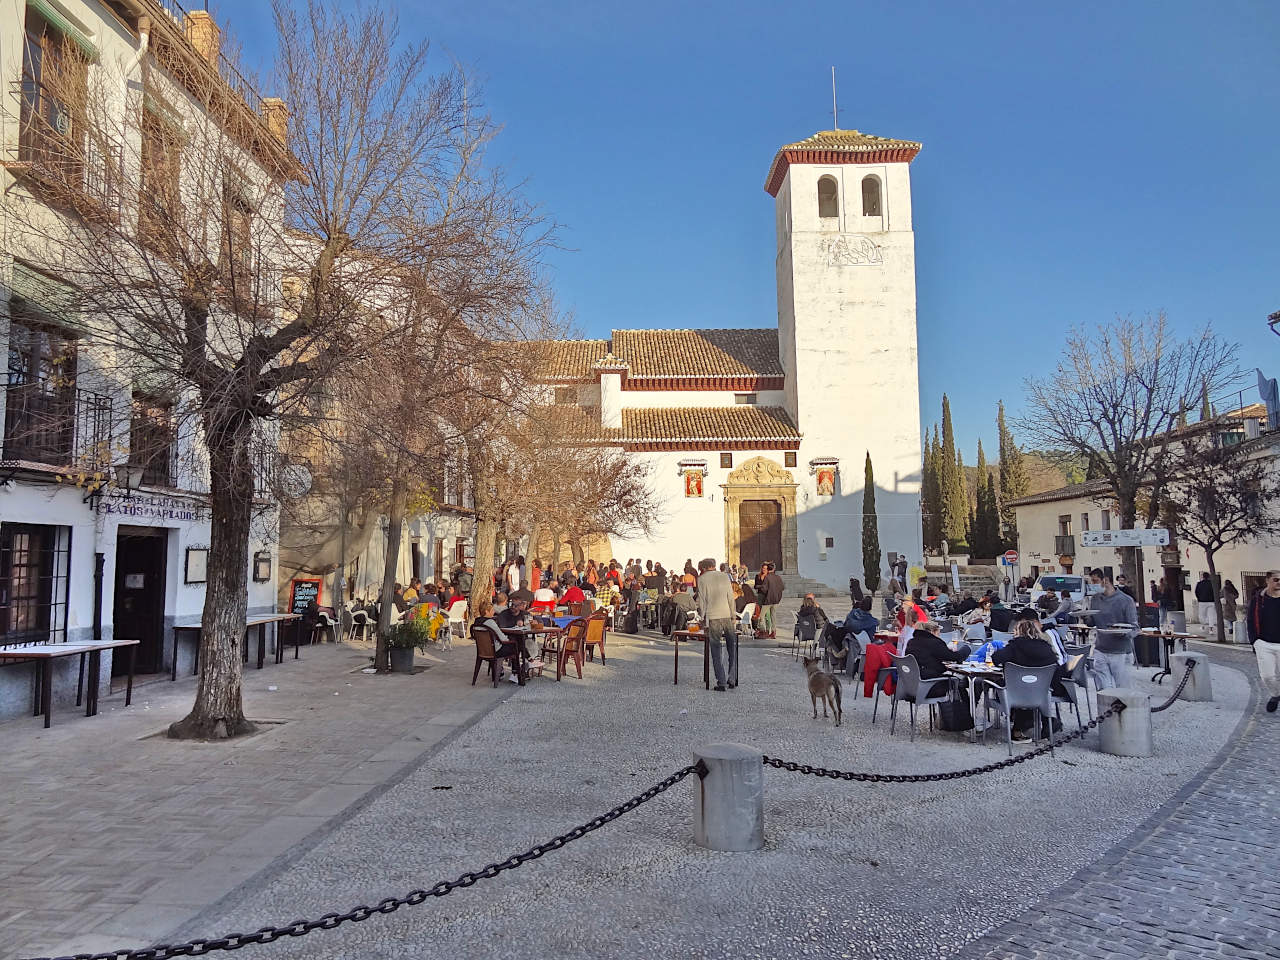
1115 616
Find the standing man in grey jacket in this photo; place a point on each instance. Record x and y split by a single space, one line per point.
715 604
1115 615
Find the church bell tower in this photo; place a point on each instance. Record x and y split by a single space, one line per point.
847 339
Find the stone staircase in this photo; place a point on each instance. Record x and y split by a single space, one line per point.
798 586
977 580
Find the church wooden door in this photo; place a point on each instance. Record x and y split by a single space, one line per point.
760 530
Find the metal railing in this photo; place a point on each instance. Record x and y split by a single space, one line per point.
57 424
230 74
54 150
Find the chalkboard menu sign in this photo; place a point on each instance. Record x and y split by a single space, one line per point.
302 592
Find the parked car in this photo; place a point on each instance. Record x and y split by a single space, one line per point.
1059 583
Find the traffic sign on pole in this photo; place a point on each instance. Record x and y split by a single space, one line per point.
1010 557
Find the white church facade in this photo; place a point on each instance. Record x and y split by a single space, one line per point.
757 438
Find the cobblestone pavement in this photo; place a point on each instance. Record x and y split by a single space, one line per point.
112 834
848 869
1201 880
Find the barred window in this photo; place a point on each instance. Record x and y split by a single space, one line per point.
35 564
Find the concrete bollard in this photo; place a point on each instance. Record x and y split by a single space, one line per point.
1200 686
729 810
1128 733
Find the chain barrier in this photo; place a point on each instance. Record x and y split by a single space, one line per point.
300 928
1182 685
1112 710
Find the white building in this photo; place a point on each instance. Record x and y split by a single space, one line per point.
1050 525
758 437
125 558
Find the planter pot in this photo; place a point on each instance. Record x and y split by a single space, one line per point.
401 659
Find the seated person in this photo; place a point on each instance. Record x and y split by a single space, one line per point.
931 652
573 595
1001 617
544 600
861 620
505 646
967 603
745 598
941 600
909 628
1047 602
1064 612
428 594
905 604
810 610
1029 648
683 601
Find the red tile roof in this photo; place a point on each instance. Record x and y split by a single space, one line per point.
656 424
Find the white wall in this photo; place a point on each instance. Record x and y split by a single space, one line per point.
846 286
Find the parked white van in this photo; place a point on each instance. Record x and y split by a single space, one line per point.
1060 583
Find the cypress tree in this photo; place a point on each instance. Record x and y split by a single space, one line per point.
870 530
1013 471
994 540
931 502
951 483
958 506
1206 409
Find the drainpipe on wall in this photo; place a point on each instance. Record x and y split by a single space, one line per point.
99 560
144 41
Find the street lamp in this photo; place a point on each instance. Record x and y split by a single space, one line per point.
129 477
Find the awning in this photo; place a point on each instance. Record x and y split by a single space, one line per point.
60 22
38 298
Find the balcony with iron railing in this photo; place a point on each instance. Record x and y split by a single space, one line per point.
54 156
56 425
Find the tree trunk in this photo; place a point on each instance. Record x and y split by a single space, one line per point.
486 543
555 551
387 608
575 550
218 711
1217 597
532 553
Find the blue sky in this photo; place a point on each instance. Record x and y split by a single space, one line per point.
1081 160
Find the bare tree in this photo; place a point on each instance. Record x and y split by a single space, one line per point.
181 273
1223 493
1115 399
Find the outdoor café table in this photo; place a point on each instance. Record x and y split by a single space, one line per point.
974 670
257 620
678 636
523 633
1169 639
45 653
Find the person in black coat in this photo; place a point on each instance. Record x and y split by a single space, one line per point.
1029 648
931 652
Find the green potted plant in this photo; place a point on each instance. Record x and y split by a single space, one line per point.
402 639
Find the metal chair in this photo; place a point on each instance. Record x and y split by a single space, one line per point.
1025 688
916 690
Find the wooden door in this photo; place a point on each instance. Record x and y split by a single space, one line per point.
760 532
139 597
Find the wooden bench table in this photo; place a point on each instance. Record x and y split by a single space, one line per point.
45 653
256 620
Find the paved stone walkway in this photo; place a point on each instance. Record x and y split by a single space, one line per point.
111 834
1201 879
848 870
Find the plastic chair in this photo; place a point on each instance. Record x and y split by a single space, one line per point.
976 631
804 636
916 690
570 643
1026 688
487 652
359 625
1001 635
1080 675
595 637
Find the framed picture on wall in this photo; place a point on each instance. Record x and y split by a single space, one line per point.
261 566
197 569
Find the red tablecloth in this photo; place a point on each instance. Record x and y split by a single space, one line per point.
876 657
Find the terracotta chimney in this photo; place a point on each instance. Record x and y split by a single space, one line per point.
277 114
204 35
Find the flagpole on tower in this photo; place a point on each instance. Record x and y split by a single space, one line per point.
835 115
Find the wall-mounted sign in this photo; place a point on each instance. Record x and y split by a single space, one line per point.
197 567
157 507
301 592
693 483
1155 537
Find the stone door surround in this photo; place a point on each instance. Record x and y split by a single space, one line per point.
761 479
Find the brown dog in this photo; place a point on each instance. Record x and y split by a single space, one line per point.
824 685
